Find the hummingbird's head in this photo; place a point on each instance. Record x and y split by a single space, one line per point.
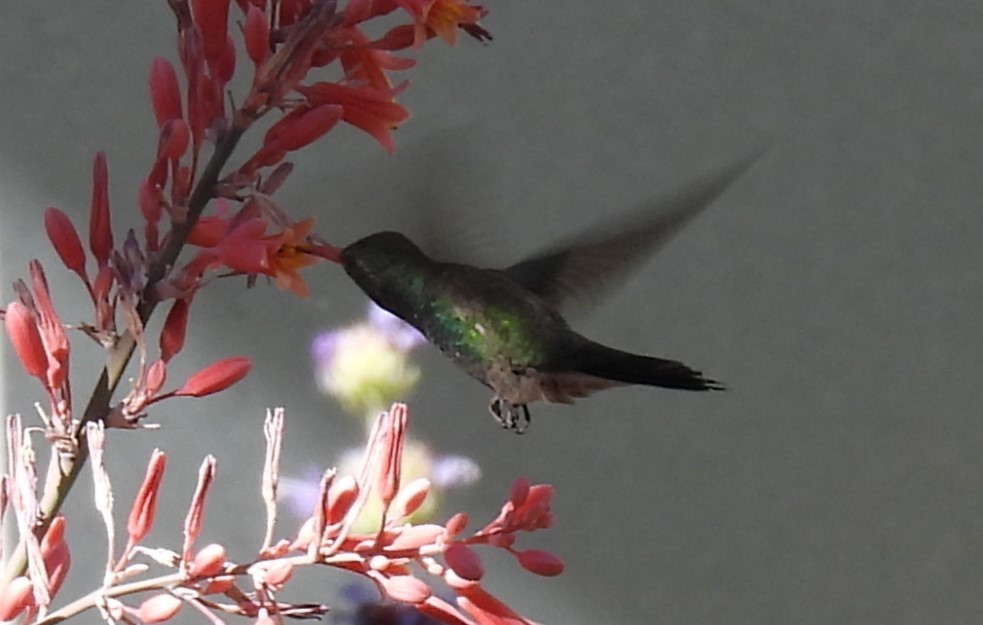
386 265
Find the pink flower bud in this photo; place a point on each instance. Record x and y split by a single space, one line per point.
455 525
406 589
159 608
464 561
210 560
145 505
341 496
16 597
21 327
409 498
65 239
216 377
540 562
278 574
416 536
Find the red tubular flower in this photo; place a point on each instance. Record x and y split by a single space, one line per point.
373 111
21 327
100 228
301 126
291 256
65 240
145 505
165 94
216 377
365 63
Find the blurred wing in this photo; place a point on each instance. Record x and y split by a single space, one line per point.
588 263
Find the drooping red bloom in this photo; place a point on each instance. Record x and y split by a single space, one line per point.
373 111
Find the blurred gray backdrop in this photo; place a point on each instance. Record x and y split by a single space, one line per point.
836 289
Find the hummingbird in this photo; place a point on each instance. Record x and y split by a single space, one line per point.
504 327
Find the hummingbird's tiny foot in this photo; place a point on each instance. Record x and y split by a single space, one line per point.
508 415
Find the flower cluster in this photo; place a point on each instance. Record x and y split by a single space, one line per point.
398 557
229 217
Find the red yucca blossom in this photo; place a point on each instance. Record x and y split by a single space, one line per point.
404 561
310 66
229 216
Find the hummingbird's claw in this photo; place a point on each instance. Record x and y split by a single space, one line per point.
508 415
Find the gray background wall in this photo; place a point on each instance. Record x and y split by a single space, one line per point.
835 289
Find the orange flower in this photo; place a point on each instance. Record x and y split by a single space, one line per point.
291 256
445 16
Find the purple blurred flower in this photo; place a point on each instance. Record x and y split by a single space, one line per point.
402 335
369 610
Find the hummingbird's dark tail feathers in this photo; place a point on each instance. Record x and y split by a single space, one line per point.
613 364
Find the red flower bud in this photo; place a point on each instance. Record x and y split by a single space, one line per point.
209 560
216 377
145 505
165 94
406 589
540 562
21 327
212 18
257 34
100 228
65 240
175 329
159 608
464 561
409 498
16 597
